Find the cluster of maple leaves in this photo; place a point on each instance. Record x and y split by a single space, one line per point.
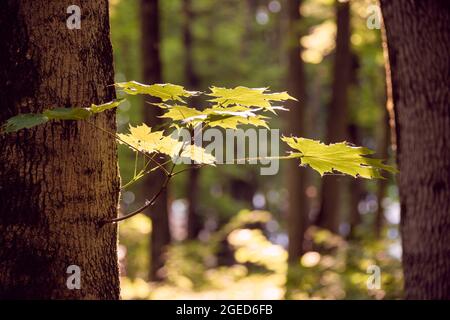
228 109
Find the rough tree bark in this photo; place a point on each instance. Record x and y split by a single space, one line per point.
151 62
418 41
296 177
59 180
329 215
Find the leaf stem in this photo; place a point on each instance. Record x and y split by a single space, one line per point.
147 204
135 163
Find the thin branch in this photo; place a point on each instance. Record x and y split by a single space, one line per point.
148 203
135 163
197 166
141 174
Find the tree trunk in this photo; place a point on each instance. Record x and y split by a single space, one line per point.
296 177
418 41
160 235
59 180
382 184
193 221
357 187
249 7
192 82
329 215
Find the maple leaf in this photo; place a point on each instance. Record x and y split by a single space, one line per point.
106 106
143 139
247 97
180 115
340 157
166 91
67 113
227 118
23 121
198 155
231 117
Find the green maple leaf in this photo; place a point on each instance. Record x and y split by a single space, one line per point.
165 91
232 117
29 120
80 113
247 97
340 157
227 118
24 121
67 113
180 113
105 106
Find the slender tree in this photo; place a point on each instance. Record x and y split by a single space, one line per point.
192 82
57 181
382 184
151 62
356 186
249 7
329 215
296 179
418 42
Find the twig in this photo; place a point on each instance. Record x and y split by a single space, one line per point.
150 202
198 166
140 174
147 204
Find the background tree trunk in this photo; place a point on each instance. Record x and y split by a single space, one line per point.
418 39
329 215
192 82
296 177
250 7
160 235
382 184
356 187
59 180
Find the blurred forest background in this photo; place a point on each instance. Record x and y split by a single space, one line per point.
228 232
